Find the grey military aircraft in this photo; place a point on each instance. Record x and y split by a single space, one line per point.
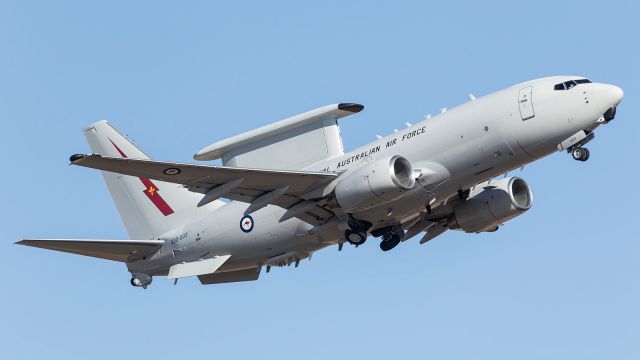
291 190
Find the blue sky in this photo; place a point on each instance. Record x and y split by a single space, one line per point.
560 282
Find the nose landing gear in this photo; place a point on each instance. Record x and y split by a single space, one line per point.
580 154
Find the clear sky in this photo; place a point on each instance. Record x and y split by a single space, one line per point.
560 282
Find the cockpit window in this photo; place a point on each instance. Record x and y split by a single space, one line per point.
571 83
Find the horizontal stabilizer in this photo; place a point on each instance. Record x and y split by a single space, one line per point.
117 250
230 276
198 267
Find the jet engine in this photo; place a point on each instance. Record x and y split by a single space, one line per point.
492 205
376 183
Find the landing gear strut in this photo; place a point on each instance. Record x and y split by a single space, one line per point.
580 154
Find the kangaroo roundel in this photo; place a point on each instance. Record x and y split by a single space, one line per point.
246 223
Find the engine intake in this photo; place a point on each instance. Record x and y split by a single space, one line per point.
374 184
496 203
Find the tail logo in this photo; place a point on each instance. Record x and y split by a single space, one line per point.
151 190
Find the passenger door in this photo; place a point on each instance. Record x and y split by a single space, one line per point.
525 102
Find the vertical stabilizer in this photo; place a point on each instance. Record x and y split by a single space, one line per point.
148 208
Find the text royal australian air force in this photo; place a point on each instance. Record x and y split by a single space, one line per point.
386 143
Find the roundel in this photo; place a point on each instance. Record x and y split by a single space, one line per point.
246 223
172 171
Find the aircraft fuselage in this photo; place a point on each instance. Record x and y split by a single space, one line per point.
473 142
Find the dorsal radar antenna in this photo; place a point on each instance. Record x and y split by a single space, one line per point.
378 136
408 124
472 97
427 117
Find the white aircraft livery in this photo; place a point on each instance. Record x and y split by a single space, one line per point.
291 190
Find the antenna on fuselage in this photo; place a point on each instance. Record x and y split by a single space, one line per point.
443 110
472 97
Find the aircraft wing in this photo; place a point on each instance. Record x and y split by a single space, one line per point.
259 187
117 250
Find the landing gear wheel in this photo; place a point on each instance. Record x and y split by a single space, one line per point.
580 154
355 237
387 245
585 154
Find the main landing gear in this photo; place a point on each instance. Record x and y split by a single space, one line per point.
357 235
580 154
389 241
391 237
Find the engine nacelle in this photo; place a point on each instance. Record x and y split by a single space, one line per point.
496 203
374 184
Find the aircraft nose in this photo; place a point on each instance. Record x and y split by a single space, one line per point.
611 97
614 95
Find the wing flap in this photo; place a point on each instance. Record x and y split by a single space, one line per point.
198 267
230 276
116 250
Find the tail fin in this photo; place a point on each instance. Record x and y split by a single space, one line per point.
148 208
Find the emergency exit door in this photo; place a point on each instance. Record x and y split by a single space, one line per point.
525 103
